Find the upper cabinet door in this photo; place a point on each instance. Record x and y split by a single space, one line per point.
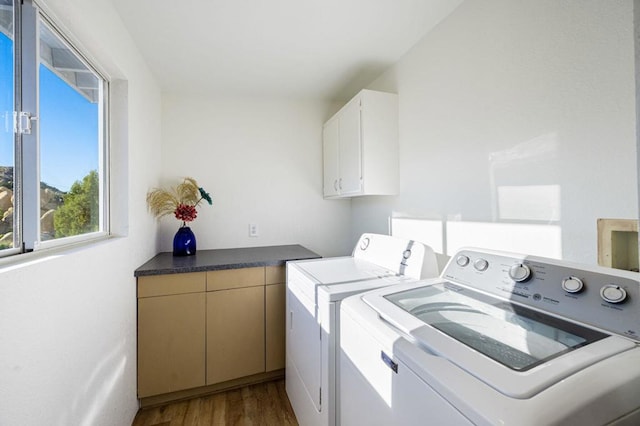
330 136
360 146
350 150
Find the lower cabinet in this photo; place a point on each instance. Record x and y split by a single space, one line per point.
171 334
207 328
275 315
235 333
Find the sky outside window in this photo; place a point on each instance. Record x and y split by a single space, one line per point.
68 125
68 132
6 100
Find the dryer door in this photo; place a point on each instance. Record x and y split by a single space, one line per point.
303 343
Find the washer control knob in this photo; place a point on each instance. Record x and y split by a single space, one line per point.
613 293
481 264
520 272
462 260
572 285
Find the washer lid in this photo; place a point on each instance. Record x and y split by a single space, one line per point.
339 291
514 349
343 269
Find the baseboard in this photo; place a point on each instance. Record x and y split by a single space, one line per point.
155 400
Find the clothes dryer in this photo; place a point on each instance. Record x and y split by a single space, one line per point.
314 292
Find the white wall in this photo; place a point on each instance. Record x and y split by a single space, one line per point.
517 112
261 160
68 321
548 84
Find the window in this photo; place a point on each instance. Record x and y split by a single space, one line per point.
53 174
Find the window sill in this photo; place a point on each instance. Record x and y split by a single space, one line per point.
22 260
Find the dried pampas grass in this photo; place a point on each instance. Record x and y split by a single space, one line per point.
162 202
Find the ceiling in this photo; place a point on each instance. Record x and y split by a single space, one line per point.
319 49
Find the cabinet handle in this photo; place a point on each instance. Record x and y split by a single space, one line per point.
335 184
340 184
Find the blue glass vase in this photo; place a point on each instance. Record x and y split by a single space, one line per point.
184 242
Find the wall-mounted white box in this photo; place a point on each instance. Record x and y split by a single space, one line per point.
618 243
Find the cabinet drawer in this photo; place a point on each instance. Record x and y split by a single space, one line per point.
165 285
235 278
275 275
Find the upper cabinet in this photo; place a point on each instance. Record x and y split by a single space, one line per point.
360 147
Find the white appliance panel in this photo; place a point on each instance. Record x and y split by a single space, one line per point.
304 352
543 289
384 393
593 396
404 257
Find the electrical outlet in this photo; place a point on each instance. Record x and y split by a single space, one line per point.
253 229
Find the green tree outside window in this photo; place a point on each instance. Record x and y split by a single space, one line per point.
79 211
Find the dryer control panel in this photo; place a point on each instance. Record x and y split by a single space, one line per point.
605 298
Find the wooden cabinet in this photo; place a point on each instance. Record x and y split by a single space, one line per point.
275 315
235 278
208 328
235 333
360 147
171 333
235 324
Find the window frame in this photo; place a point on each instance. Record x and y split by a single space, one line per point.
28 18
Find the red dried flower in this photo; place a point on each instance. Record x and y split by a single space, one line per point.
185 212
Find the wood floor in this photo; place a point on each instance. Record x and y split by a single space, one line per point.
262 404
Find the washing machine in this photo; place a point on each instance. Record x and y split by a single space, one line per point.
497 339
315 289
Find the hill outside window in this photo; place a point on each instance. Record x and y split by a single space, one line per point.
53 150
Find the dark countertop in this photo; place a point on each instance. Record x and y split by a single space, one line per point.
236 258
